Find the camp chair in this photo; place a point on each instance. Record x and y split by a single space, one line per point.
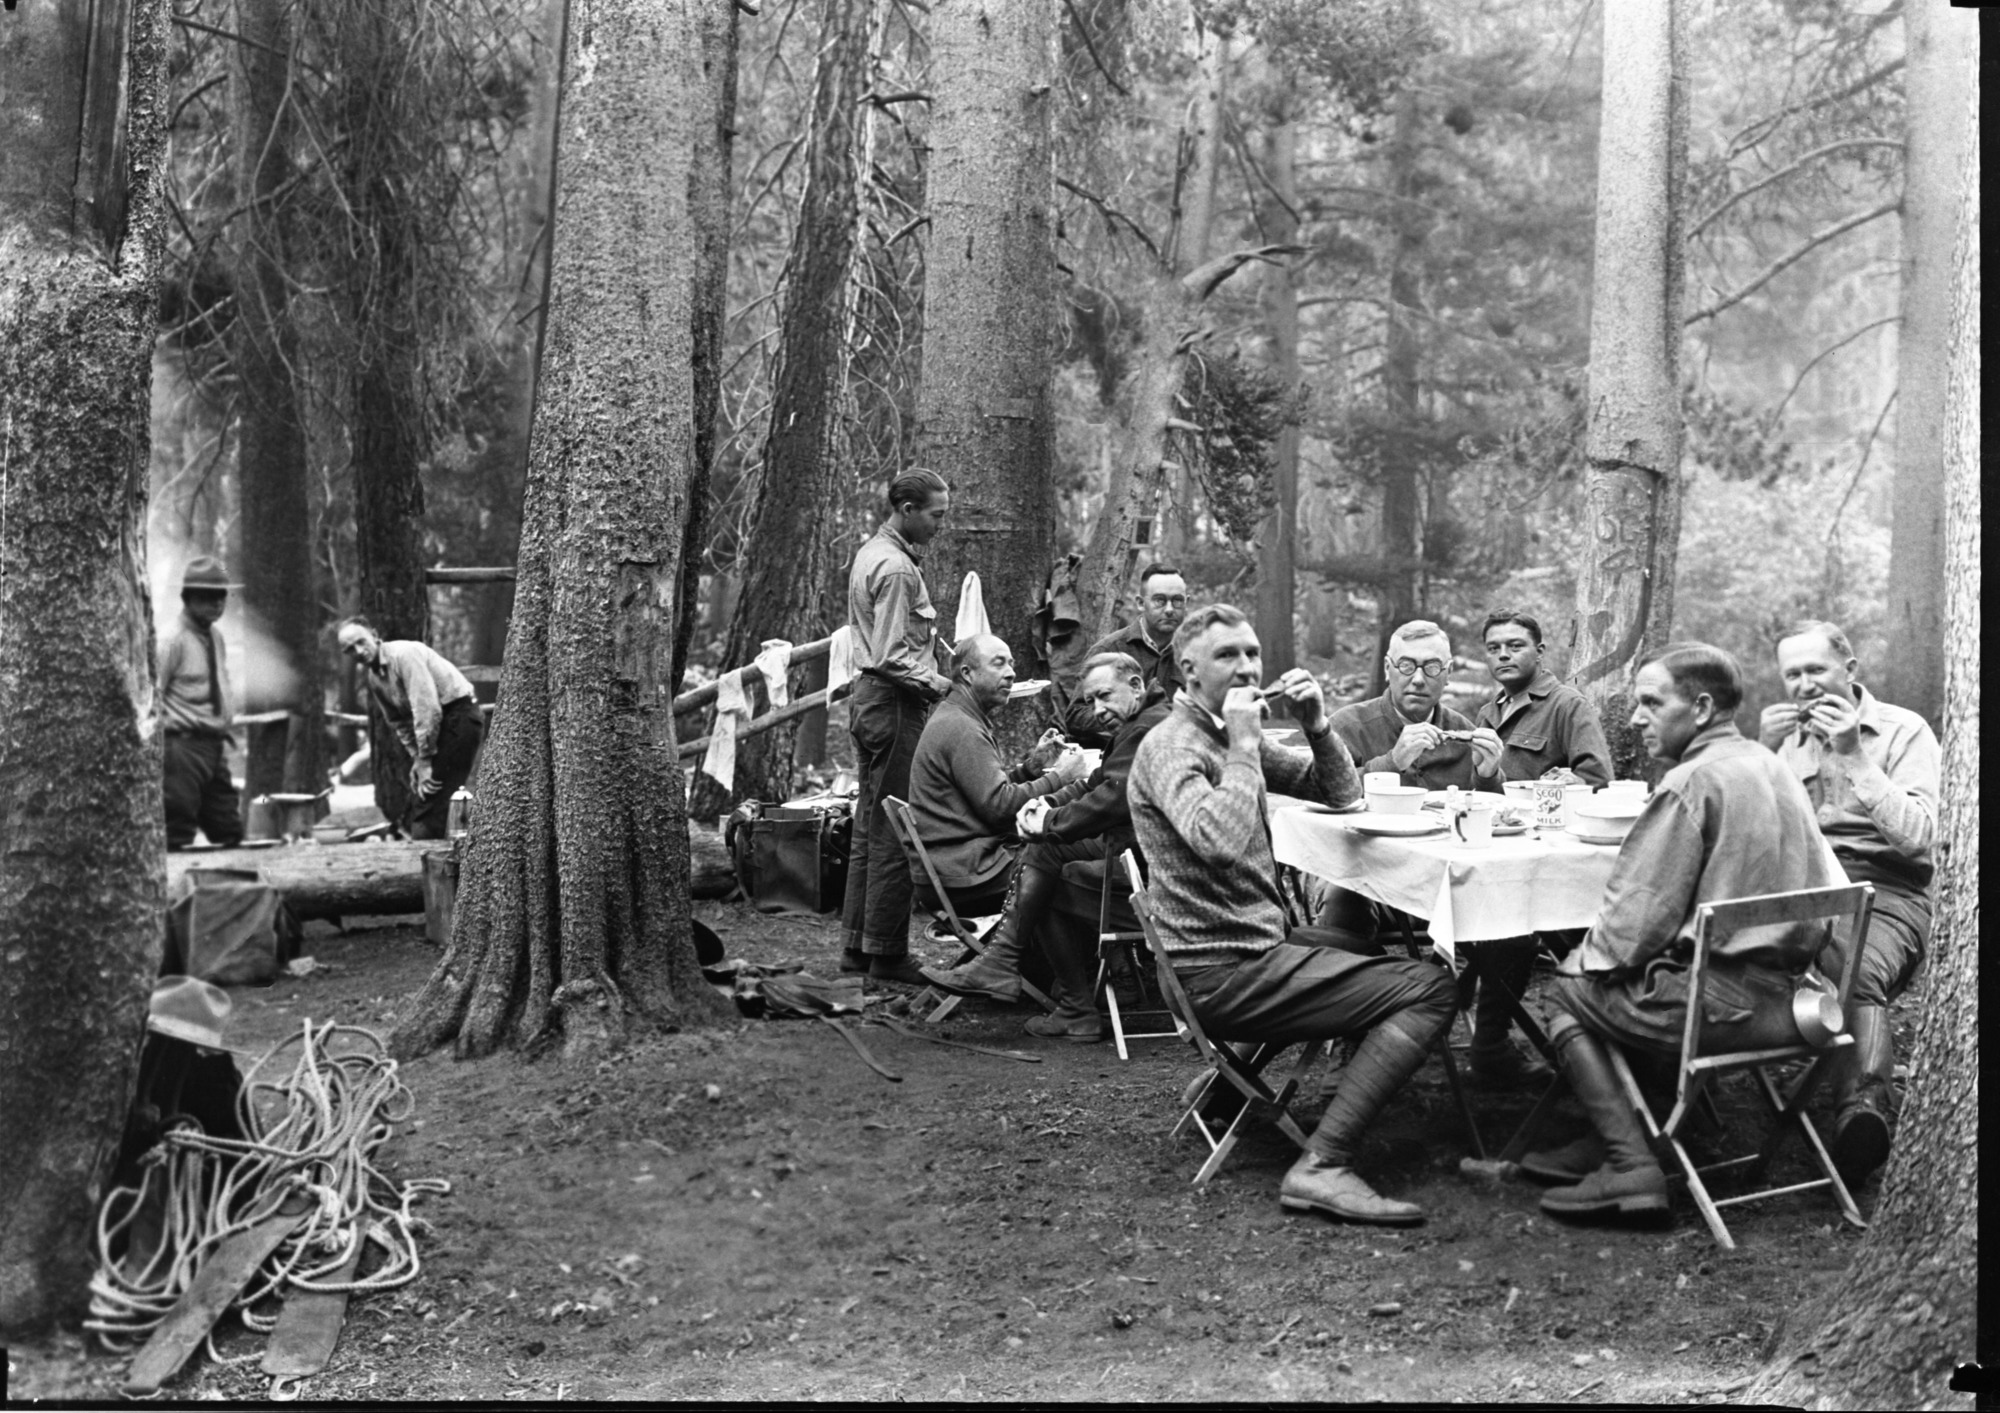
973 940
1112 913
1242 1068
1855 904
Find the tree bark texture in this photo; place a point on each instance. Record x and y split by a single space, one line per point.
1402 390
1199 161
1937 80
572 918
709 189
1888 1332
1172 324
387 426
1632 488
989 307
1277 563
807 462
274 534
81 825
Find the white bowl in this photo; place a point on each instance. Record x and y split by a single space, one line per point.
1396 799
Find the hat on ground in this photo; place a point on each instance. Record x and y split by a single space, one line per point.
205 573
189 1009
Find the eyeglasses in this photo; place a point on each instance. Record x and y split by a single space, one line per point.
1167 600
1410 667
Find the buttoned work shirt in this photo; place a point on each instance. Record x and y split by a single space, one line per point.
1546 725
1879 809
187 703
895 623
415 684
1728 821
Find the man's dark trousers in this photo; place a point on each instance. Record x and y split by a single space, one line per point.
195 780
886 722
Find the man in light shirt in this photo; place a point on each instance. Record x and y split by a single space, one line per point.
1872 773
431 707
196 709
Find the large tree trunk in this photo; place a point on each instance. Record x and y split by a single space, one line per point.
1936 81
709 187
274 536
1632 488
572 918
384 318
80 811
1888 1332
1396 596
989 307
1194 228
1277 567
806 462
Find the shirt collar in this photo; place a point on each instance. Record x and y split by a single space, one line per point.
1721 731
1386 704
895 537
1867 710
1201 713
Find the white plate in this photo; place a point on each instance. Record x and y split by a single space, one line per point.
1395 826
1032 687
1582 837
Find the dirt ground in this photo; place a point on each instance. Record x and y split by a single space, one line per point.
753 1213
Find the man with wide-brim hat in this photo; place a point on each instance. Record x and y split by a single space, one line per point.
197 708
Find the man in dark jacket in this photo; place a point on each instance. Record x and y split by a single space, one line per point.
1146 640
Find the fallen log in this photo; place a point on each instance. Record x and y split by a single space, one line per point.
385 876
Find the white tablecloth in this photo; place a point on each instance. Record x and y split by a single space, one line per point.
1510 888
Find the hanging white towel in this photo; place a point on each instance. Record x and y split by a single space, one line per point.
774 662
732 707
840 659
971 609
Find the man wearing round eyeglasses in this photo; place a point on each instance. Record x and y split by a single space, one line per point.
1146 639
1409 729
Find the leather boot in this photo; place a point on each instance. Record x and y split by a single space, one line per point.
1493 1063
1573 1162
1863 1099
996 974
1381 1066
1630 1180
1315 1185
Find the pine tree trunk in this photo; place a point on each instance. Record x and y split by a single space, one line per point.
709 188
1277 568
274 536
807 465
1936 81
572 916
81 875
1632 488
1888 1332
989 309
1396 595
1194 228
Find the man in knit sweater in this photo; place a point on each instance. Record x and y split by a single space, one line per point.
1198 808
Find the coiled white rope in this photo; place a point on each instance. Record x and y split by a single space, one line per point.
315 1133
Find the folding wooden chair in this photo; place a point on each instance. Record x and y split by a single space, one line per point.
1854 903
1114 942
1243 1069
973 940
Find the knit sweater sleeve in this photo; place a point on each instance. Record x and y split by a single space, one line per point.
1325 773
1212 817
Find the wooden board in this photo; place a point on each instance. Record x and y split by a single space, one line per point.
309 1326
386 876
220 1280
